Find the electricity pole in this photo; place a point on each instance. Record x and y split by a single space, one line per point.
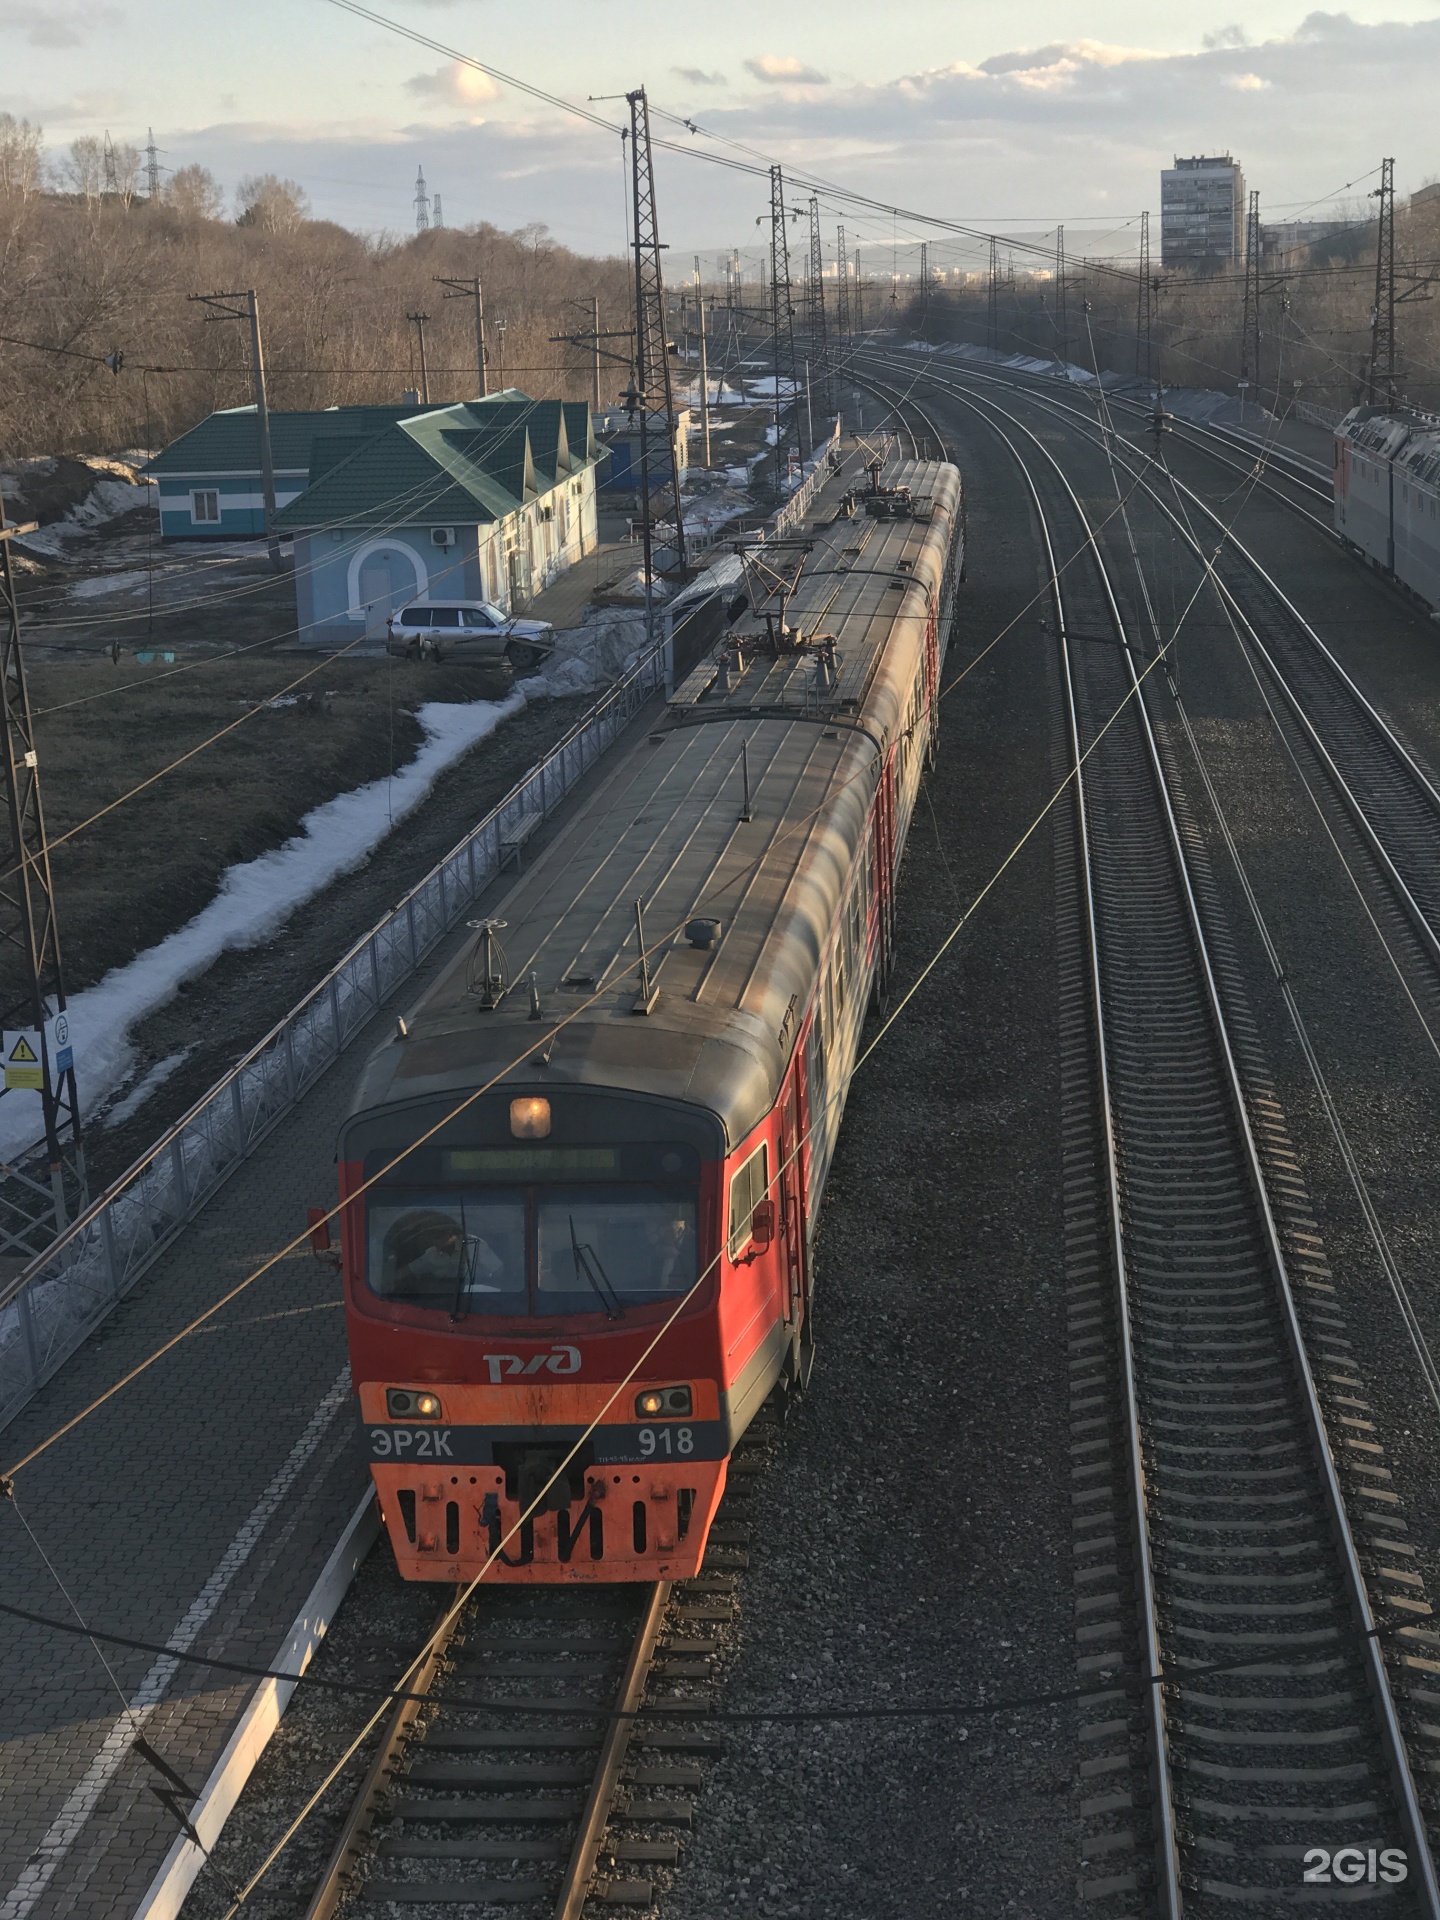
419 321
782 323
226 309
992 329
819 346
470 290
1381 385
1250 319
704 369
1142 301
842 289
652 394
1062 317
28 925
924 286
859 296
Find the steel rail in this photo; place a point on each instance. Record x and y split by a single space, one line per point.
1397 1759
1425 791
349 1848
580 1870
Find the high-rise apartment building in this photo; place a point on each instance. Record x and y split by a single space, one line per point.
1202 213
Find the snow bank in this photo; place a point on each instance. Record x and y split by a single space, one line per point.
254 899
106 500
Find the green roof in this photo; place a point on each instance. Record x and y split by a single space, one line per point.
229 442
474 462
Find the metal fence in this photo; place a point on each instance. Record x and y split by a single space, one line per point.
49 1308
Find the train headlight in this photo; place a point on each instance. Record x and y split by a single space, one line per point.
661 1400
530 1118
403 1403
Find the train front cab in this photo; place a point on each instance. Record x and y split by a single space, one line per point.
501 1285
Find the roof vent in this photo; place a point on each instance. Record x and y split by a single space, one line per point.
702 933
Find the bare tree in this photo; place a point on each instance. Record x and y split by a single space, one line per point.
84 167
272 204
122 170
196 194
21 151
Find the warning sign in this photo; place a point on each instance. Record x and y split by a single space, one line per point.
22 1062
57 1045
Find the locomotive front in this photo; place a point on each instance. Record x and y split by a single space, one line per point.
505 1269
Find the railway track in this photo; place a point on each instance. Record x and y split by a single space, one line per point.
556 1757
1377 781
1268 1764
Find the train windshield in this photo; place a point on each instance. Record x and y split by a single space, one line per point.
545 1242
613 1245
465 1252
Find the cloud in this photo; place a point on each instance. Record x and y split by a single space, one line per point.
1247 83
1232 36
698 77
454 85
56 26
783 69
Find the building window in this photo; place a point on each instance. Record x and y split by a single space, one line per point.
205 507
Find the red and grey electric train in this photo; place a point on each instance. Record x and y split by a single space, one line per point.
523 1246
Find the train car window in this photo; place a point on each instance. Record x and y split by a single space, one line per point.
747 1190
601 1247
461 1251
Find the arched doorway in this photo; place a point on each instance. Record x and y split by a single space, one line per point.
387 582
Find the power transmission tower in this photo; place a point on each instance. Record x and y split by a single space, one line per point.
819 345
34 994
226 309
437 217
842 289
1142 302
422 203
992 318
472 290
652 394
152 165
112 176
1381 385
1250 319
924 285
782 326
859 295
420 321
704 367
1062 316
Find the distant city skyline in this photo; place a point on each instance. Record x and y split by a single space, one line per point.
1008 117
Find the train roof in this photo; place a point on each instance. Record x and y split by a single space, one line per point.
1407 436
809 729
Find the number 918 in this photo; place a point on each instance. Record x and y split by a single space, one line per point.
665 1441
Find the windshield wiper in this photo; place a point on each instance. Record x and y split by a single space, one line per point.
587 1262
464 1272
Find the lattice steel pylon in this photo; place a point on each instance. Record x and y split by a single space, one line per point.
652 397
992 315
1381 385
1250 320
32 985
819 344
842 289
1143 303
782 327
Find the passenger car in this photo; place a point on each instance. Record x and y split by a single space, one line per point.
467 632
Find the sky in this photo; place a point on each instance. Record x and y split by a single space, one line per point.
1011 117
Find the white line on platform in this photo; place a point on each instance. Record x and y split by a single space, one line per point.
83 1799
166 1893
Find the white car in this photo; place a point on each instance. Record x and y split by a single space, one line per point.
467 632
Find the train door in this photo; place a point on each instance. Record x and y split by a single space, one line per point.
791 1228
884 817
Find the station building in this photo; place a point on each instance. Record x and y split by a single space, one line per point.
482 500
209 479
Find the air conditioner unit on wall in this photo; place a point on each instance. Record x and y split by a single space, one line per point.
442 536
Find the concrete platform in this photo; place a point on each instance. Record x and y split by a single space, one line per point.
195 1510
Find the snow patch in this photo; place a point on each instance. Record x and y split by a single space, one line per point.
254 900
106 500
130 1104
106 583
